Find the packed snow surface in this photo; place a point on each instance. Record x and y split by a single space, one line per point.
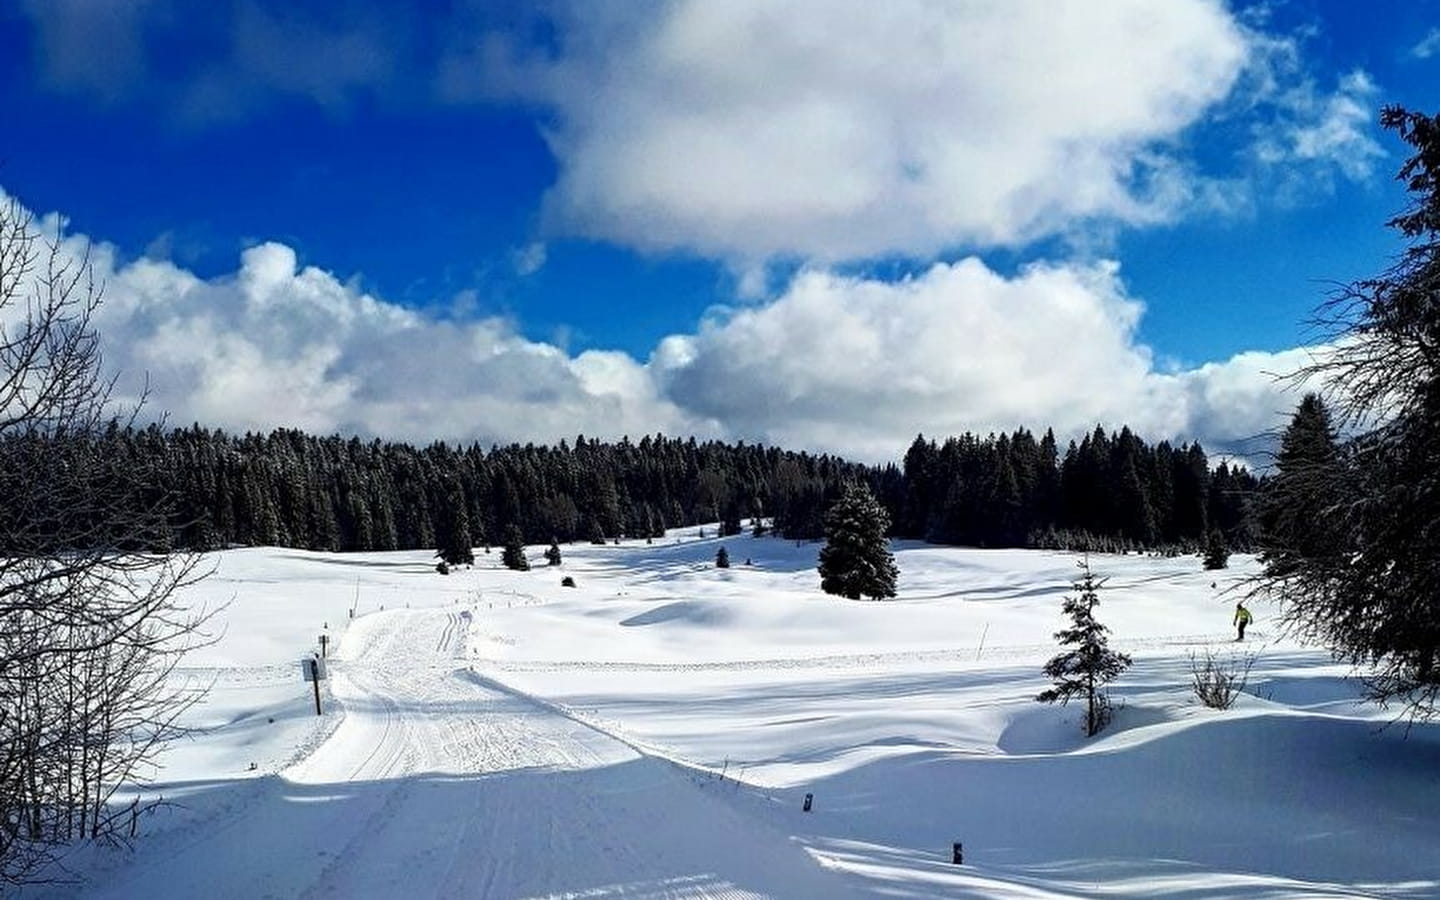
654 732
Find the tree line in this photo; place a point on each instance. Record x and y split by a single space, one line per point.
289 488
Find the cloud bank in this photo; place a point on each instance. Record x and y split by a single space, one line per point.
844 364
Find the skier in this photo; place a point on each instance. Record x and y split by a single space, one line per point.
1242 618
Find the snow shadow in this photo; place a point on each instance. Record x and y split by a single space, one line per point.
363 562
690 612
1299 803
651 563
640 828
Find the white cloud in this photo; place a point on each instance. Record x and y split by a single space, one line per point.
1428 46
753 129
1310 133
756 130
529 259
860 366
846 364
277 344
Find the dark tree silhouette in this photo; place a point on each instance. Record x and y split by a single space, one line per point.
1368 585
513 556
1217 555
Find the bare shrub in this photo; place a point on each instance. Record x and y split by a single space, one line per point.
1217 681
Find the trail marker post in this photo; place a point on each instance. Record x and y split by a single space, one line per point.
809 800
324 643
958 854
312 668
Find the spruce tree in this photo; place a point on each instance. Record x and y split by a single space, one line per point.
552 556
722 559
856 560
454 532
1217 554
1084 670
513 556
730 519
1371 589
1303 499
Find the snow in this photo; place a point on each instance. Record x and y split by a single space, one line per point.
653 731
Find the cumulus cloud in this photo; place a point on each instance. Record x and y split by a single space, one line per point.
851 365
277 343
860 366
751 129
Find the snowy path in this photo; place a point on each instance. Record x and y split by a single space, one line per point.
436 785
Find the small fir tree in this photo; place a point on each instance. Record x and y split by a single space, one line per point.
513 557
856 560
1084 670
1217 555
552 556
722 559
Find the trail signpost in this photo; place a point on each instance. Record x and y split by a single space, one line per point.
312 669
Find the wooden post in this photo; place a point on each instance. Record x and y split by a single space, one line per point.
315 677
959 854
324 644
809 799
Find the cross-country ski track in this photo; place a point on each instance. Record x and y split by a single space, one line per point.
654 730
436 784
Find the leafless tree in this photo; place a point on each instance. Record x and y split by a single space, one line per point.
90 625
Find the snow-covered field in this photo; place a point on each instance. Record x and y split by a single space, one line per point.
654 731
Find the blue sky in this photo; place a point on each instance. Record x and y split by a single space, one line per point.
800 223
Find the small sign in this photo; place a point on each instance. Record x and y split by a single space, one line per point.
312 669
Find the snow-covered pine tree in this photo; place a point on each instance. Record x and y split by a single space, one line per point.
513 556
1084 670
722 558
856 560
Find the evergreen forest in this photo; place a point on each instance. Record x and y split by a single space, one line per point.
288 488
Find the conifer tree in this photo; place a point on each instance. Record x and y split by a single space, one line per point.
722 559
552 556
1217 554
454 531
730 519
1377 601
513 557
1303 499
856 560
1084 670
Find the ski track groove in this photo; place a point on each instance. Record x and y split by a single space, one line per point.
432 775
839 660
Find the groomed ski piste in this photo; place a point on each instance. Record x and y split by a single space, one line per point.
654 731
